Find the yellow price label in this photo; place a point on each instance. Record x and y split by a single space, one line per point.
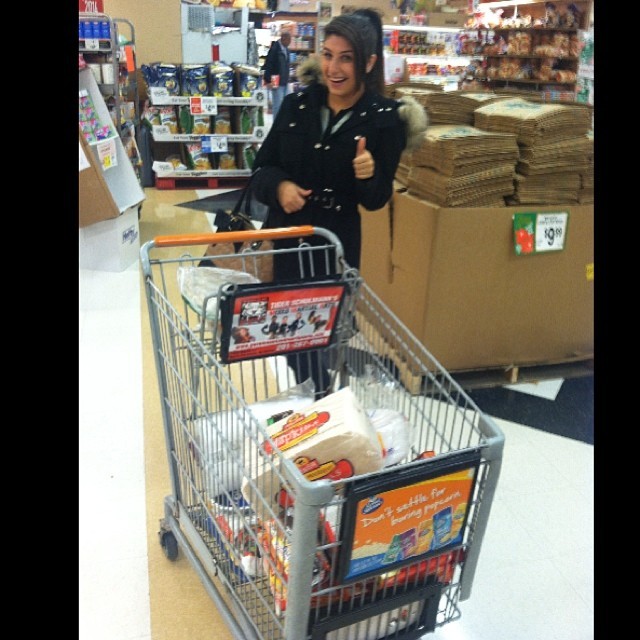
589 271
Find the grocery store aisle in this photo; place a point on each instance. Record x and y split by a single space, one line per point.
535 575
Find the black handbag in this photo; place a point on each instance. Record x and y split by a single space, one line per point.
242 216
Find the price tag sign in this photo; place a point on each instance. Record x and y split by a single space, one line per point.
107 154
158 94
259 132
161 167
539 232
92 43
215 144
160 130
551 230
203 105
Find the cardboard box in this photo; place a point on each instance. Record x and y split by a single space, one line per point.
387 8
458 285
441 19
375 257
95 202
104 192
111 245
449 5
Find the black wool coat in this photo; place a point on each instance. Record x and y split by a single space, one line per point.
297 149
276 63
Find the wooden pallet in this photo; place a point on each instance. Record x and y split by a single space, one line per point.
499 376
496 376
201 183
414 380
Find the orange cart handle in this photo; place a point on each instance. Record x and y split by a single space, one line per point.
234 236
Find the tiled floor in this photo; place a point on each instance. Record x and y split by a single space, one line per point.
535 576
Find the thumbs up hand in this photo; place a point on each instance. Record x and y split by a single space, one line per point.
363 164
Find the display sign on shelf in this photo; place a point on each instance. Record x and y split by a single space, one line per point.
160 97
161 171
162 133
92 44
539 232
107 153
203 105
214 144
162 167
91 6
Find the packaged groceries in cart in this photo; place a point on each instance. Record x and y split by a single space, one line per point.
330 480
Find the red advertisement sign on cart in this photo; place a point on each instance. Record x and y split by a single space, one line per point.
259 322
91 6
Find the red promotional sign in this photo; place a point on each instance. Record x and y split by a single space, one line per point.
91 6
262 320
195 105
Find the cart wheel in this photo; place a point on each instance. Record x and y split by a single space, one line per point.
170 545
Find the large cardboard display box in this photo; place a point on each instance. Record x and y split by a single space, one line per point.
456 282
375 257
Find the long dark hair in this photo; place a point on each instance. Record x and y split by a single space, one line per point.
363 30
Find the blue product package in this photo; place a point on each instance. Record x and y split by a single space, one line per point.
442 527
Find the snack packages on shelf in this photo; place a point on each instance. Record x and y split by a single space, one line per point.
90 125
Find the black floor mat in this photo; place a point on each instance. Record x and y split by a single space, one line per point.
569 415
211 203
224 201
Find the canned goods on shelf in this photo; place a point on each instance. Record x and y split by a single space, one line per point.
105 30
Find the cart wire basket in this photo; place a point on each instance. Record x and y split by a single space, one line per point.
328 481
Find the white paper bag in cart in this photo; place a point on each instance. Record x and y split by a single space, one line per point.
332 439
219 436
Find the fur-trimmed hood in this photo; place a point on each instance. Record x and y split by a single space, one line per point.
409 110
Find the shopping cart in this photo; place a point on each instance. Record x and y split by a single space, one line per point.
359 538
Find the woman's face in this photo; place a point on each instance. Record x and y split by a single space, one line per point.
338 69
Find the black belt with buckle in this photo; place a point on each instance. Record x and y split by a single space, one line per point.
325 200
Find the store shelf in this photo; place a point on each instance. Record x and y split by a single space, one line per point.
160 98
537 29
420 29
303 27
119 88
109 155
531 47
213 173
530 56
221 149
430 54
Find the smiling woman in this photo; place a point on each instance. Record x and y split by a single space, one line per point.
334 146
